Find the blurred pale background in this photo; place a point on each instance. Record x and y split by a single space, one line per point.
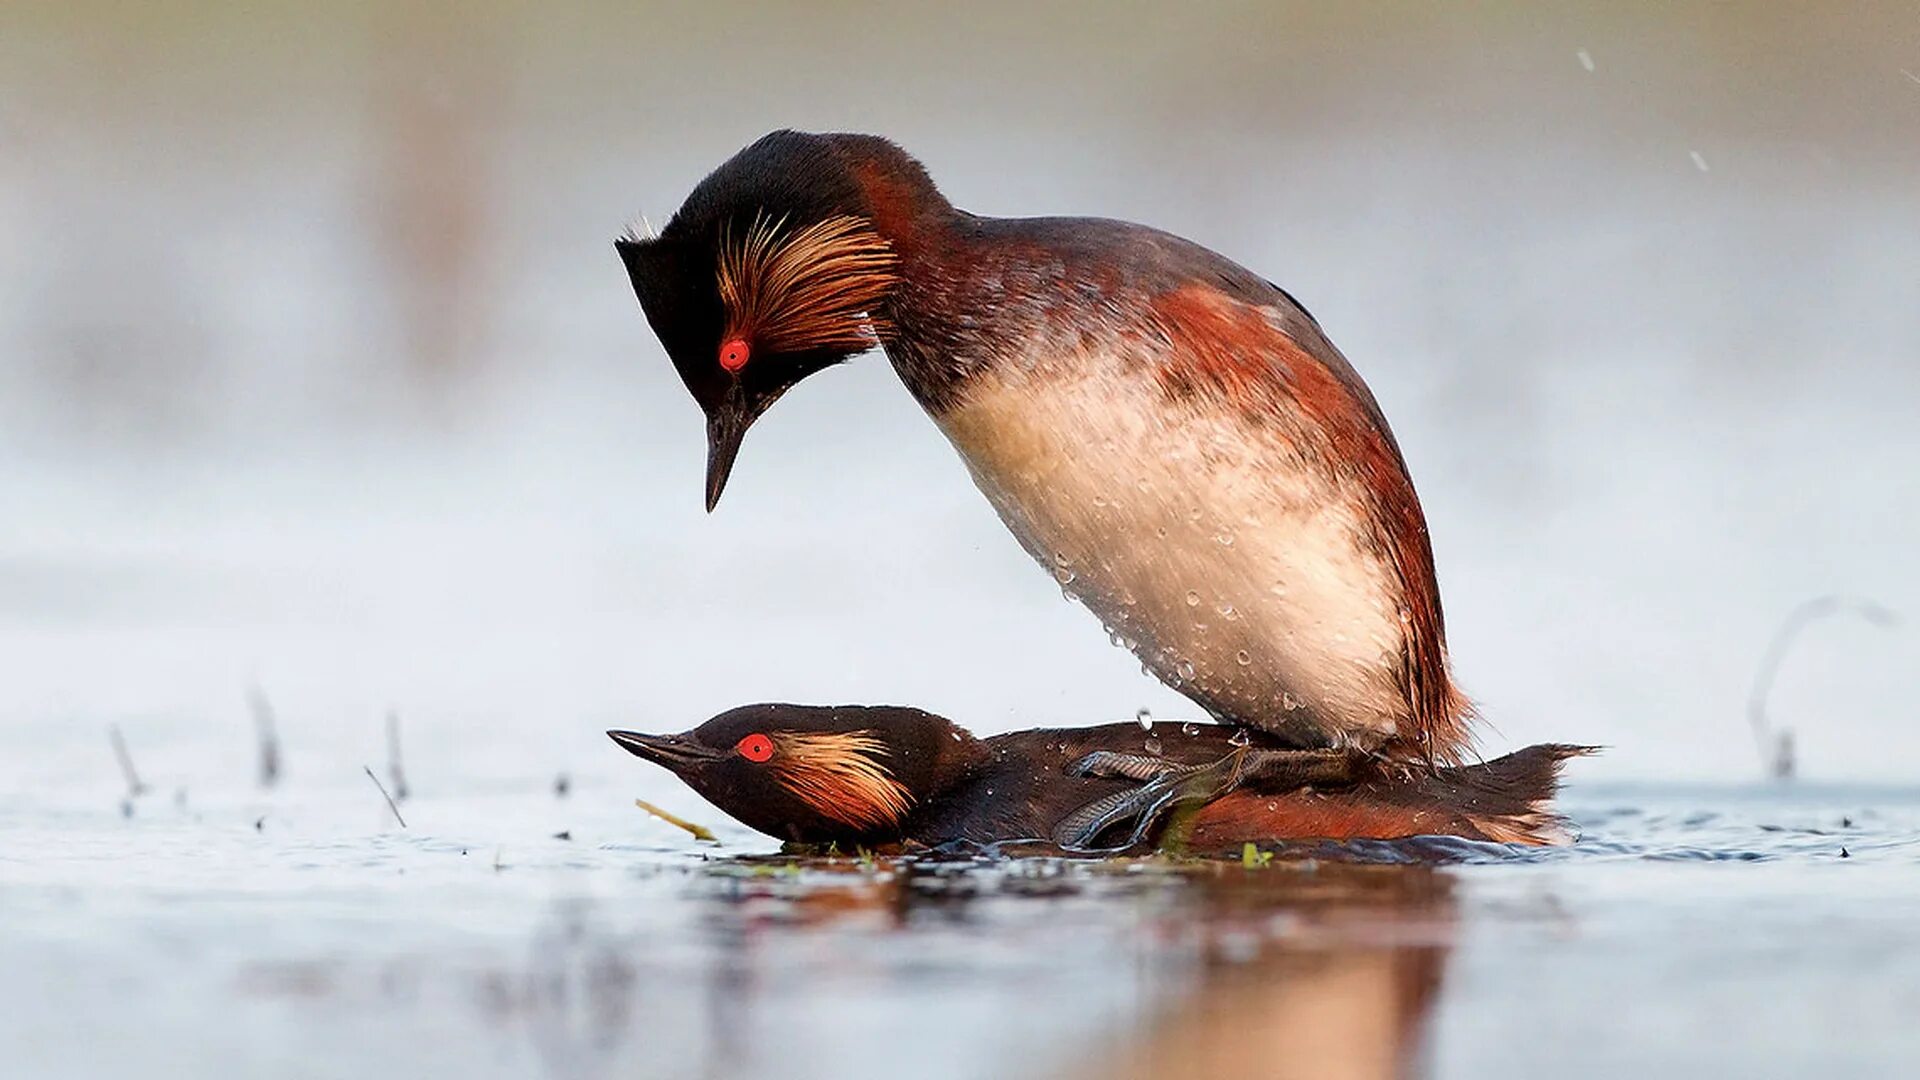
317 368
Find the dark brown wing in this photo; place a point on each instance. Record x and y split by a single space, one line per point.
1270 361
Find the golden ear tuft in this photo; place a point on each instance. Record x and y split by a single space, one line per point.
811 289
839 774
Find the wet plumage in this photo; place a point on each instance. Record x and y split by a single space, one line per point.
1170 435
911 777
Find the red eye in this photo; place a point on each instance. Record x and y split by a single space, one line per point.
755 747
733 354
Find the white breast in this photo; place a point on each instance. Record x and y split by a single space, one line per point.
1237 569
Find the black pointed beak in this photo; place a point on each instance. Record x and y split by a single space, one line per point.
676 752
726 425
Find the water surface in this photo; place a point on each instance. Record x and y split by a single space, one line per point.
512 931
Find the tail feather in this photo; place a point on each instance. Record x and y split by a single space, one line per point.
1510 798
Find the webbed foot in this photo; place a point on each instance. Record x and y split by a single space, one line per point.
1166 787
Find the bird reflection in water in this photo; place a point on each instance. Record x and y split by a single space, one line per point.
1302 967
1320 970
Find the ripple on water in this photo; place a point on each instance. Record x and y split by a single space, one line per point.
480 911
